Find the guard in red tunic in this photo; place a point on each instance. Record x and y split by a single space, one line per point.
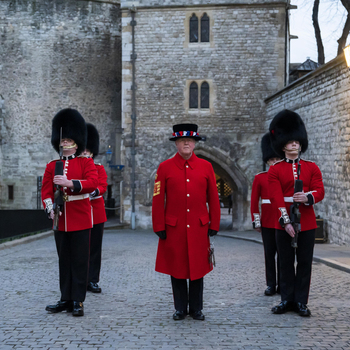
265 224
98 211
77 180
289 138
183 187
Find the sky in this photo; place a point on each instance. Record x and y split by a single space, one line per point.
332 17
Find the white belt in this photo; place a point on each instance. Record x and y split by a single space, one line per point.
265 201
93 198
76 198
288 199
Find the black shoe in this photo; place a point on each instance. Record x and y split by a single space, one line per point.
93 287
179 315
270 291
197 315
283 307
302 310
78 308
60 306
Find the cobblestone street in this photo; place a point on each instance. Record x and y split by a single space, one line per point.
134 310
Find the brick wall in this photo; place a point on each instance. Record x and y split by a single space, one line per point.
54 54
322 98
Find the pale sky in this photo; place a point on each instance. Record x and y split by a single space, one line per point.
332 17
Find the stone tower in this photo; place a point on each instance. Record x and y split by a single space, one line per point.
206 62
54 54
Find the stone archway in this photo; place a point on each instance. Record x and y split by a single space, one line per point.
228 170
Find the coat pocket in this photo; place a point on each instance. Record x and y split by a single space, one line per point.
171 220
204 219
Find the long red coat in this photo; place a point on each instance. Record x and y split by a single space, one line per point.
77 213
260 191
182 190
281 177
97 202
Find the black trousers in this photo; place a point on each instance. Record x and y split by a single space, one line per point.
95 252
270 250
73 260
193 297
295 282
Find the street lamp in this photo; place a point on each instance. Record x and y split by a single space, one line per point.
347 55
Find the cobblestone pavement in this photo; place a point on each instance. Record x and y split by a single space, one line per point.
134 310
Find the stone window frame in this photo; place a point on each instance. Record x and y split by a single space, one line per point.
199 14
212 96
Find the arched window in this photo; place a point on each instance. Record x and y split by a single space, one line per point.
205 95
194 29
194 95
205 28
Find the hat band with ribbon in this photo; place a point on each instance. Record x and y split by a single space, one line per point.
185 133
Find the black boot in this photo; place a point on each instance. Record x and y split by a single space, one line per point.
60 306
93 287
78 308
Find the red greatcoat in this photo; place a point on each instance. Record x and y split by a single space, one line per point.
77 214
260 191
97 202
182 190
281 177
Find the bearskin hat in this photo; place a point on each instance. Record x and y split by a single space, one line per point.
93 140
185 130
73 127
287 126
266 148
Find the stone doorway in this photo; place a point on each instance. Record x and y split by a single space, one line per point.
229 179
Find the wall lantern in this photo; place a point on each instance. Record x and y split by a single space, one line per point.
347 55
109 155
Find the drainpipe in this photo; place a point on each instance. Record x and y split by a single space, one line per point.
133 118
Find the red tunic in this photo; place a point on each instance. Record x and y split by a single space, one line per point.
97 202
182 190
281 178
76 214
260 191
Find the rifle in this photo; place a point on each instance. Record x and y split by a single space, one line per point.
58 196
294 210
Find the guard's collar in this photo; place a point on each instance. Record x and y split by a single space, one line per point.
292 161
181 162
69 157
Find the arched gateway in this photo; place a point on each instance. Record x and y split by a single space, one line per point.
229 172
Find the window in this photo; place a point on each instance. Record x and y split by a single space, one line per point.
200 96
194 95
201 27
205 29
10 190
194 29
205 95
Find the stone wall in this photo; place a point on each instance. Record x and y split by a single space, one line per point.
322 98
175 3
244 63
54 54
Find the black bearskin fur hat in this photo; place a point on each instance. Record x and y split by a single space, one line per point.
287 126
73 127
93 140
266 148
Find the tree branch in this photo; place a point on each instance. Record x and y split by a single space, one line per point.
320 48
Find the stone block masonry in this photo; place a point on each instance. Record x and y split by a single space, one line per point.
54 54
